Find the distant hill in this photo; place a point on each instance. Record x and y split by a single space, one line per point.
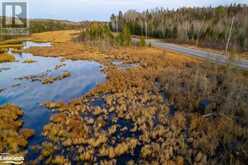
43 25
55 20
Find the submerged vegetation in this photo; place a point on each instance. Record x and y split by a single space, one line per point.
44 78
50 80
29 61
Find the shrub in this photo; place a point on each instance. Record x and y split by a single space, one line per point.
142 42
124 38
6 58
3 50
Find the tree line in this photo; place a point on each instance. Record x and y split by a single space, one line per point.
206 26
99 32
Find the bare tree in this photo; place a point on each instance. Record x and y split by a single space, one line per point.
229 38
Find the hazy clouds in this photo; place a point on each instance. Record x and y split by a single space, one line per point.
102 9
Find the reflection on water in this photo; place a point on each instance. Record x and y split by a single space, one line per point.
29 95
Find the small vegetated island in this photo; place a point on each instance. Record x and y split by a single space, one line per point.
166 109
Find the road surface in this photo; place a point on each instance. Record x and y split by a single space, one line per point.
218 58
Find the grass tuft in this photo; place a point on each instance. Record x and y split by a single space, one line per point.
29 61
18 51
6 58
15 46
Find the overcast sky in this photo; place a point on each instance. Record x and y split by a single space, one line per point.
78 10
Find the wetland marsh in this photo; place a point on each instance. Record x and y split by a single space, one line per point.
22 83
118 110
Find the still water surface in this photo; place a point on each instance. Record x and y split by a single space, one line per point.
30 95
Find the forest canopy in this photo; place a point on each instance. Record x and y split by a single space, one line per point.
208 26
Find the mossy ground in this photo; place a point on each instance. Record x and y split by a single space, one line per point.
171 109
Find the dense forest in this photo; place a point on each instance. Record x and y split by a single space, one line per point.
99 34
209 26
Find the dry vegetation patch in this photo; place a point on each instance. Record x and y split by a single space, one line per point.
14 139
54 36
5 57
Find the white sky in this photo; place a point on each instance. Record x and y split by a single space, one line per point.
78 10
